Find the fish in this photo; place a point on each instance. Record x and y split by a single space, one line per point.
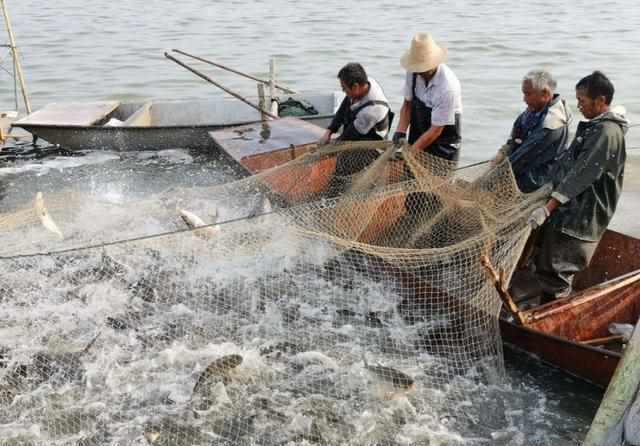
46 367
281 347
304 359
45 218
170 431
7 394
193 222
219 368
396 378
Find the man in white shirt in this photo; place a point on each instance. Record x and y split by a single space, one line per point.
363 115
432 106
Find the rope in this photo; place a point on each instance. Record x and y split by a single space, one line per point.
130 240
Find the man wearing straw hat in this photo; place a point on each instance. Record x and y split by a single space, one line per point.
432 106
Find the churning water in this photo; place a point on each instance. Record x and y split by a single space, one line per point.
113 50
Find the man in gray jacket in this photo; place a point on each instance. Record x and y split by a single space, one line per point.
587 185
539 134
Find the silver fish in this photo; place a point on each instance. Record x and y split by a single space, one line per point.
44 216
193 222
397 378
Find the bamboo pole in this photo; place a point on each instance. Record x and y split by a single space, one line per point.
499 281
620 395
605 340
222 87
16 58
240 73
262 103
273 103
585 296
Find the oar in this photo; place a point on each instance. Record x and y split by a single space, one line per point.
240 73
222 87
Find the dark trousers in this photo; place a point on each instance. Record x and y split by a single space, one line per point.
349 163
558 258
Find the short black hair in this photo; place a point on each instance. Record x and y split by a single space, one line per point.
353 73
597 84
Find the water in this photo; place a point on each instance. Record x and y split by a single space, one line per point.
112 50
76 50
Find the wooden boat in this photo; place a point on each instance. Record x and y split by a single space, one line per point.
566 333
151 125
258 147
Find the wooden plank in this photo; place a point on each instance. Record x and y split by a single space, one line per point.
619 396
264 145
578 303
617 254
70 114
593 364
141 117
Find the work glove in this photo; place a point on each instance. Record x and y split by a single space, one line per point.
538 217
324 139
399 139
500 156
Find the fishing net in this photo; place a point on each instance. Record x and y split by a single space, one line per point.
338 297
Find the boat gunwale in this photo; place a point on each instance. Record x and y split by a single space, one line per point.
156 127
557 338
574 300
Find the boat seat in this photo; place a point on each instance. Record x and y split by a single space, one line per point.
70 114
140 118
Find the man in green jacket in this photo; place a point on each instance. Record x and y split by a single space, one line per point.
587 185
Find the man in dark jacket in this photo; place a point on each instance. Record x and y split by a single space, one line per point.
539 134
587 187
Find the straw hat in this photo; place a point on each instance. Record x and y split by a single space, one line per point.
424 54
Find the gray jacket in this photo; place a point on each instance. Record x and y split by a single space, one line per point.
588 179
533 149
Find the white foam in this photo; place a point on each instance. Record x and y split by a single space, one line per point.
42 167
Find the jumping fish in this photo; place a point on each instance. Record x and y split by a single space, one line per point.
45 218
193 222
398 379
219 368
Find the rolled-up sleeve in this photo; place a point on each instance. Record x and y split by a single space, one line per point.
444 108
408 84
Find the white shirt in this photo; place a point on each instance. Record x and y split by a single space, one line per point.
372 114
443 95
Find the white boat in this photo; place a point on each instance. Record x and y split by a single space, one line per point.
157 125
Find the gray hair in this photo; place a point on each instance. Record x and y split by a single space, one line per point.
541 80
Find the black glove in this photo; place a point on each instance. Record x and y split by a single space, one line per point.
399 138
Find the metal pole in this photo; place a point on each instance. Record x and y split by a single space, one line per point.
16 57
215 64
223 88
273 104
